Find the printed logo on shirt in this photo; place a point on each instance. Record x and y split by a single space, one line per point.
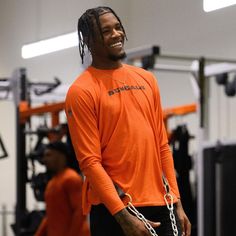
125 88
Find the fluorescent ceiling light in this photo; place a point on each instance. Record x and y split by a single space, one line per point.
49 45
211 5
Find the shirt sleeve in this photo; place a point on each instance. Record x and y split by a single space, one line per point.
82 122
165 152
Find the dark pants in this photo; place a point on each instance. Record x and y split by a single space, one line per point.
102 223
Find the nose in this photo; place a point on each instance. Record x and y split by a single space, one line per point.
116 33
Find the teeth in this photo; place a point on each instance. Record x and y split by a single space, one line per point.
116 44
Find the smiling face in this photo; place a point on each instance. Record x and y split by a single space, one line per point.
108 49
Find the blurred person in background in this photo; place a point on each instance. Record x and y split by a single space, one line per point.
63 194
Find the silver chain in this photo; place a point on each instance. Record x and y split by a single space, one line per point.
169 203
142 218
131 207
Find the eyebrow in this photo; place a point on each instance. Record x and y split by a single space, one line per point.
109 26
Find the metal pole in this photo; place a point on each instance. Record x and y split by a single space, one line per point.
201 76
148 50
20 94
200 172
192 58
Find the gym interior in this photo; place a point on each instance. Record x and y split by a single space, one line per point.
192 53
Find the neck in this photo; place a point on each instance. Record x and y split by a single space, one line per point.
59 170
106 65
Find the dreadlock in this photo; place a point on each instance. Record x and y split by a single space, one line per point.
86 27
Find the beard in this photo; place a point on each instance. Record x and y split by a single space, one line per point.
117 57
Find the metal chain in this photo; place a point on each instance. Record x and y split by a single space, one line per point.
171 209
142 218
131 207
169 203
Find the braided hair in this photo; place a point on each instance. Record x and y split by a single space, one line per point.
86 27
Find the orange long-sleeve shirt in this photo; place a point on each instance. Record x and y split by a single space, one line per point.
64 207
116 124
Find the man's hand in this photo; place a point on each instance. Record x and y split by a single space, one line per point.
184 221
131 225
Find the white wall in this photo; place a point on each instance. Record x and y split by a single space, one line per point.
7 165
183 27
178 27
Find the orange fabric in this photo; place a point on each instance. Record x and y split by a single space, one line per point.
64 207
116 124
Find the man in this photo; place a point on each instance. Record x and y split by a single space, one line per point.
115 121
62 195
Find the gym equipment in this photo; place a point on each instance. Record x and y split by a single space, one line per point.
179 141
202 69
222 79
230 87
20 90
219 189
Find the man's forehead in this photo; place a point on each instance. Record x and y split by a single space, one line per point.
107 18
104 12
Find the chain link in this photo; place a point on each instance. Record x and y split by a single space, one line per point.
142 218
131 207
169 203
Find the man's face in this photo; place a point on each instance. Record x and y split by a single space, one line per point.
51 159
111 47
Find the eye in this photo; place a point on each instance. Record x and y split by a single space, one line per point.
105 31
118 27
